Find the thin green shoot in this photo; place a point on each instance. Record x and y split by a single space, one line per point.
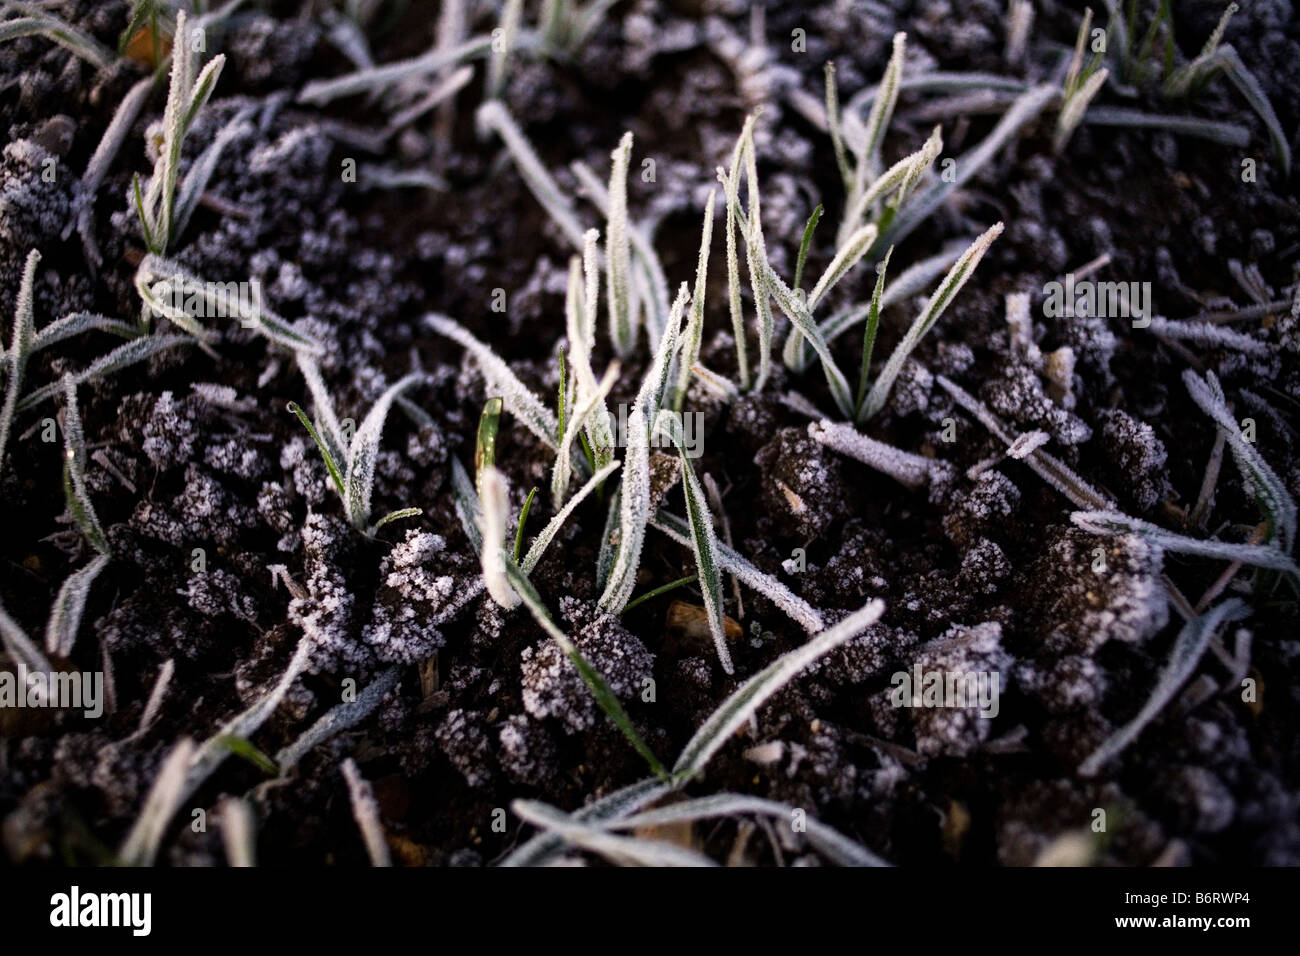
803 246
662 589
869 334
523 519
331 465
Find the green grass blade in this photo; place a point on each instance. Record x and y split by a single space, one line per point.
957 276
869 334
485 442
330 464
745 701
805 245
523 520
662 589
397 515
590 676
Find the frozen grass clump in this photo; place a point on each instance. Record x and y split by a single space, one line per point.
351 465
159 208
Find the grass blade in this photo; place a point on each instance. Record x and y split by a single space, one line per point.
365 810
494 498
330 464
56 31
541 848
957 276
1190 644
19 646
523 520
618 254
323 403
510 16
837 144
1114 522
845 259
751 695
869 333
634 489
468 509
21 343
127 354
339 718
593 406
704 541
793 307
730 184
79 504
519 401
805 244
321 92
795 607
69 605
548 533
77 323
1269 491
495 117
1249 88
882 112
619 850
839 848
692 336
1072 112
590 676
165 797
1022 112
397 515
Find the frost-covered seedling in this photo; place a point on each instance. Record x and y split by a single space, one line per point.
1134 62
734 712
168 290
158 207
767 285
635 276
1270 494
69 605
952 283
355 479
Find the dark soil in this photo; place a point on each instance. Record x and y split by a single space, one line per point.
985 574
